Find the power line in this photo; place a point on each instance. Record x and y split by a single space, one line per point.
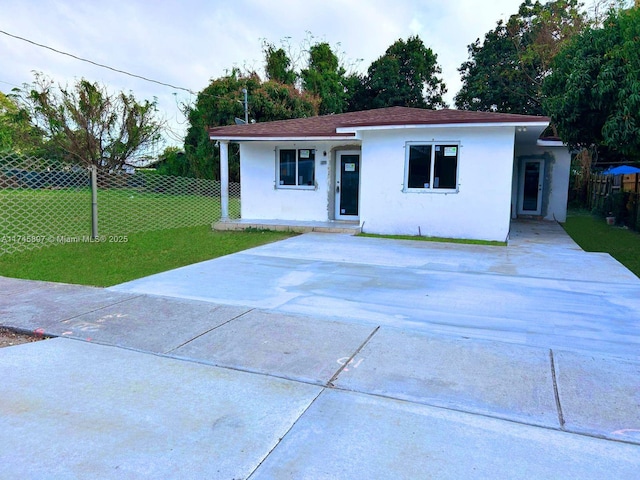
176 136
98 64
9 83
108 67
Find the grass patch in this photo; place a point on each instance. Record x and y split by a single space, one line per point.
109 263
594 235
437 239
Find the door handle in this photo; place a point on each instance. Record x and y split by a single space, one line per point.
337 188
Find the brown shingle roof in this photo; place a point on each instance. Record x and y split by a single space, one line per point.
326 125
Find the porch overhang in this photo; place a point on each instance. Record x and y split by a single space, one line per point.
519 126
237 138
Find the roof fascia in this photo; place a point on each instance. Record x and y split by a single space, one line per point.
340 138
355 130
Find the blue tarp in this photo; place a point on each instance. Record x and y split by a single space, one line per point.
622 170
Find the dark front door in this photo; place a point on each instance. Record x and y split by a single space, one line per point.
347 185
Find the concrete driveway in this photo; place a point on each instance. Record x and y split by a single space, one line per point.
329 356
541 290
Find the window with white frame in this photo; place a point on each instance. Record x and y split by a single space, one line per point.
431 166
296 167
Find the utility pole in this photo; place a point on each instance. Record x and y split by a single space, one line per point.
246 102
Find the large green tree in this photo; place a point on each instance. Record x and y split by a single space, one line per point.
593 94
324 77
505 71
218 104
17 134
278 65
406 75
89 124
221 102
172 162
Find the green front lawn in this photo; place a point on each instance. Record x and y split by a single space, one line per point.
122 258
594 235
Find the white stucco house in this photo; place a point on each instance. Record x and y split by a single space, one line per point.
398 170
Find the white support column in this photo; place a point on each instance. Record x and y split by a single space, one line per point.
224 180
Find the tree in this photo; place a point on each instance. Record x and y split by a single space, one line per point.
406 75
324 78
278 65
593 94
16 132
278 101
356 96
89 124
218 104
172 162
599 9
506 71
221 102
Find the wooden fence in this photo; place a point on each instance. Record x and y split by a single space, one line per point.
630 183
616 196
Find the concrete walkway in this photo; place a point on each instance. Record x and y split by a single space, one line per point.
331 356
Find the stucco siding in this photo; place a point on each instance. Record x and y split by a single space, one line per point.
480 209
262 199
557 209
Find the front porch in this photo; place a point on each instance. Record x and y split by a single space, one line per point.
522 231
351 228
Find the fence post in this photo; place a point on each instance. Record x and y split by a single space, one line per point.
94 202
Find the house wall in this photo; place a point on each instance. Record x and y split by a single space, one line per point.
479 210
556 179
263 200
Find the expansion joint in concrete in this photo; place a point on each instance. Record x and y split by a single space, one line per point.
210 330
286 433
348 362
555 390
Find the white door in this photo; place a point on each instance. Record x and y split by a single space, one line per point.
347 185
531 183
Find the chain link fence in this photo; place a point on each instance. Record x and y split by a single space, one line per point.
44 202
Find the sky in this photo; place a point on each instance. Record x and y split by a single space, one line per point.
187 43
